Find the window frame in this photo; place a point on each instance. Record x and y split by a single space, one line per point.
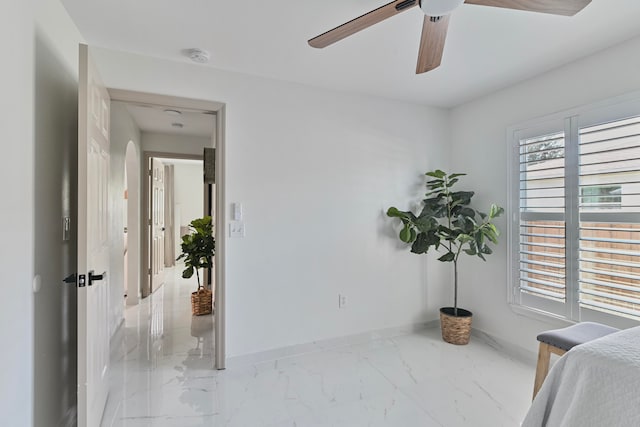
570 122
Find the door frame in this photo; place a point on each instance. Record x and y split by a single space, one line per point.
221 211
146 201
132 167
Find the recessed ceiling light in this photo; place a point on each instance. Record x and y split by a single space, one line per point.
177 125
198 55
172 112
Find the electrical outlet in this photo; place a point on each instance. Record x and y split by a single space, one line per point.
342 301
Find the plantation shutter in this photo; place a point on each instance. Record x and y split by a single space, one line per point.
542 248
574 240
609 228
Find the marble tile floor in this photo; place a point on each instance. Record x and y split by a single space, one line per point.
162 376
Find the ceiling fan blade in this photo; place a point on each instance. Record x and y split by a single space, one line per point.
362 22
434 34
555 7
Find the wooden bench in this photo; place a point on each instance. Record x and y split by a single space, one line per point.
559 341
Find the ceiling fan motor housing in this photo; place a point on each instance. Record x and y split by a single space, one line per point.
439 7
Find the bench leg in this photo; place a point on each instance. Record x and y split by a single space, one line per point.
542 369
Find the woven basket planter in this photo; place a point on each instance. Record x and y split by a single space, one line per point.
201 302
455 329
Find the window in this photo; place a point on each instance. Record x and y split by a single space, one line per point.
601 196
575 236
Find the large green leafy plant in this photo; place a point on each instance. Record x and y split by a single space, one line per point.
198 247
449 224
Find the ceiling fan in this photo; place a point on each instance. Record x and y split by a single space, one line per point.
436 22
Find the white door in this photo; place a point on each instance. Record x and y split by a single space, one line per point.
157 224
93 243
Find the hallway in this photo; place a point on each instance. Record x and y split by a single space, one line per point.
162 376
161 361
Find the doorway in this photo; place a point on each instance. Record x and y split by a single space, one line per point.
174 195
168 148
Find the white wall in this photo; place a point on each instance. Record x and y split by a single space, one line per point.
123 130
35 202
168 143
188 196
315 171
16 225
56 135
480 148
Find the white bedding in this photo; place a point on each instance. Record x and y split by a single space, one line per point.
595 384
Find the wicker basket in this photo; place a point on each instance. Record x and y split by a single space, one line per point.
455 329
201 302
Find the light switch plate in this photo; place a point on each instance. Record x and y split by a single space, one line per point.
237 211
236 229
66 228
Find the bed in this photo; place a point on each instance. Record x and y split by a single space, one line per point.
595 384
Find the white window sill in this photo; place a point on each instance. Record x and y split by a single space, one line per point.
561 322
540 315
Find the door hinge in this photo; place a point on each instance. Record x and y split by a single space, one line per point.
149 271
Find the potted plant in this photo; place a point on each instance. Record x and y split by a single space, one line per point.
450 225
198 248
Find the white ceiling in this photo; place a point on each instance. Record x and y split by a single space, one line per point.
487 48
152 118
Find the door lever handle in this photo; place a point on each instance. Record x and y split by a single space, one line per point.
96 277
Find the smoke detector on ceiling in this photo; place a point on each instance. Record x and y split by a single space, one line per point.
198 55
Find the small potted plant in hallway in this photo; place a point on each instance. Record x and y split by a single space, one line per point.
198 249
450 225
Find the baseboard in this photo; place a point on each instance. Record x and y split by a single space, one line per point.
331 343
506 347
